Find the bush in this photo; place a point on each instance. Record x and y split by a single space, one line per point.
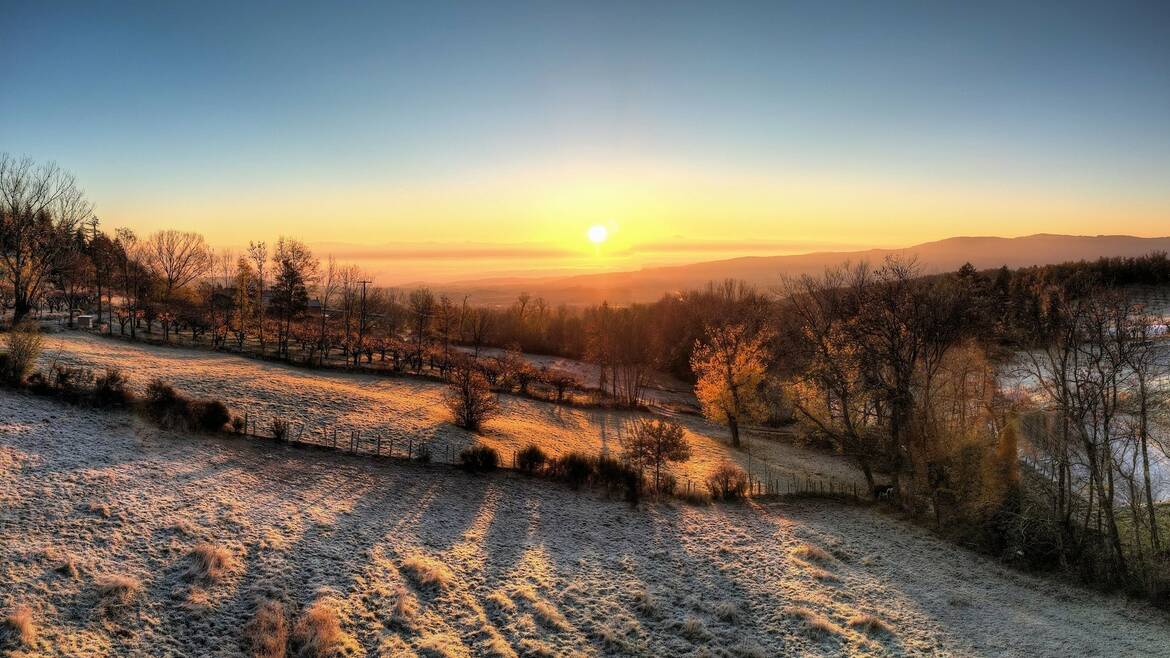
211 416
610 473
574 468
24 346
68 382
166 407
727 482
109 390
238 425
479 459
531 459
279 428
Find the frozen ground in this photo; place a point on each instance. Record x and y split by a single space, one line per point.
404 409
526 567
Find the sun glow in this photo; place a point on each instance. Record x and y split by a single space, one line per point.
597 234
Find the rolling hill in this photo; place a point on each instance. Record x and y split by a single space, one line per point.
649 284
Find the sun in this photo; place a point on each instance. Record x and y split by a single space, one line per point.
597 233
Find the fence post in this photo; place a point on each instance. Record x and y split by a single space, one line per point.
378 446
409 448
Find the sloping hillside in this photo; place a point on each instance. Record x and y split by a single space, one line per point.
118 539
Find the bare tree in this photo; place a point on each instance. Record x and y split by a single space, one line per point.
177 258
258 254
40 207
329 283
469 397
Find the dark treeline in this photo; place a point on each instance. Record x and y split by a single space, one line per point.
903 374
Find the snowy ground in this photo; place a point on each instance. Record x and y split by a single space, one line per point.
406 410
527 567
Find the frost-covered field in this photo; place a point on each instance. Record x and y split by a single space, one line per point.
523 566
404 409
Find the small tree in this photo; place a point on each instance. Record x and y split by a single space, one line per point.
730 365
653 443
470 398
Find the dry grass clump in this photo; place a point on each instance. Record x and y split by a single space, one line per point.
428 571
405 607
748 650
392 645
442 645
549 615
694 629
118 590
267 632
727 611
815 624
101 509
501 601
18 628
531 647
645 603
63 563
620 635
318 633
821 574
497 646
870 624
812 554
209 563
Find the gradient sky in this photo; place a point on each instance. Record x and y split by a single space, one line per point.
693 130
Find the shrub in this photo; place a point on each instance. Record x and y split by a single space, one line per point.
574 468
727 482
238 425
470 398
609 473
479 459
24 346
531 459
279 428
68 382
211 416
166 407
109 390
616 476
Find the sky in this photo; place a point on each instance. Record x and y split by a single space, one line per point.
456 140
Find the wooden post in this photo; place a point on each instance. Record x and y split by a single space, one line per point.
378 446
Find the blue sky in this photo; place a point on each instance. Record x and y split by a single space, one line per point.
173 111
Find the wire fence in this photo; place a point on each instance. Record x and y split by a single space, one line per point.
764 479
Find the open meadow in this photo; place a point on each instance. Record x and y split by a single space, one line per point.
121 539
404 409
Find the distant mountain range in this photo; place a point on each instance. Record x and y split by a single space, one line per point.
649 284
